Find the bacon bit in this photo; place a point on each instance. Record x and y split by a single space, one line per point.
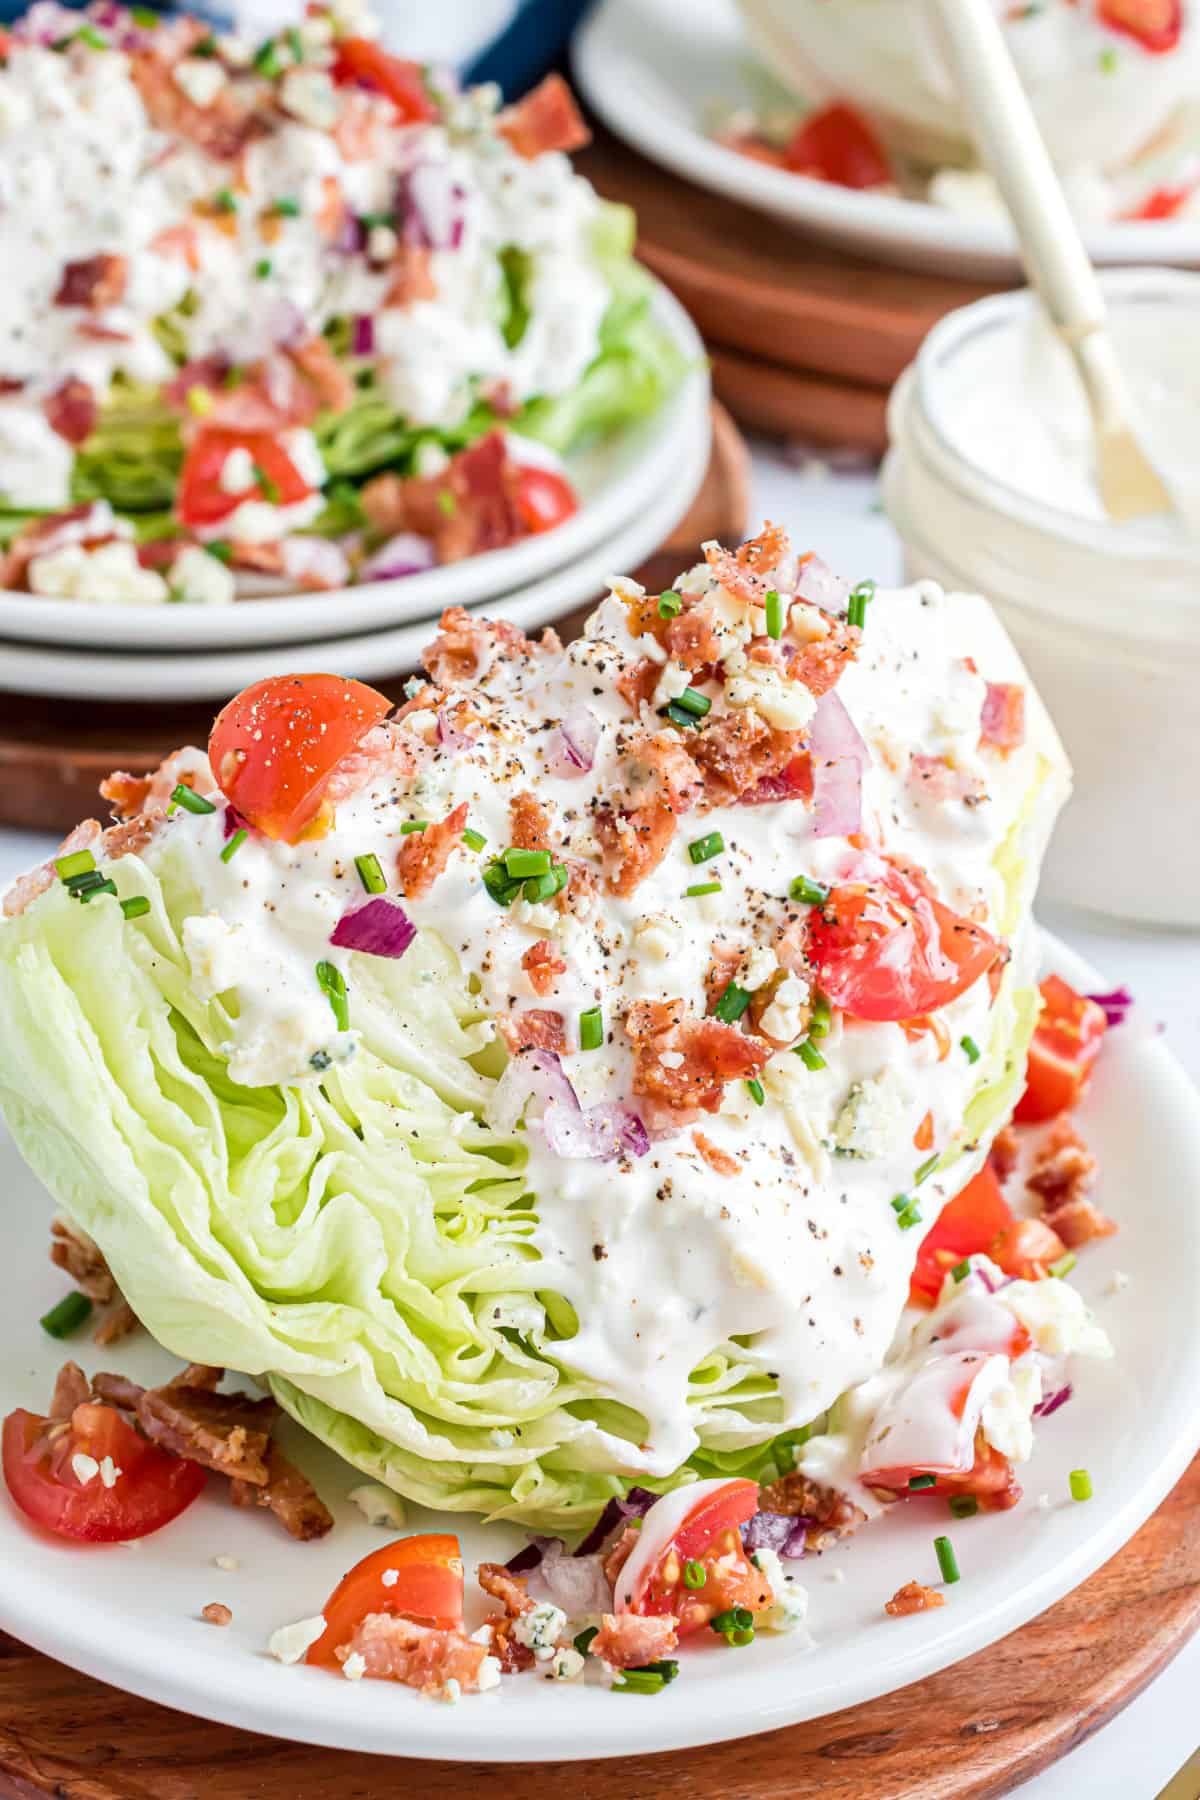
935 778
228 1433
71 410
502 1585
797 1497
543 965
120 1323
181 241
470 507
913 1597
332 212
78 1257
767 550
793 782
96 281
713 1054
1026 1248
216 1613
71 1389
423 855
663 782
530 823
639 681
738 751
534 1029
290 1495
418 1656
411 270
692 639
222 129
720 972
736 576
130 795
1063 1174
1002 721
547 118
1004 1153
620 1553
717 1159
819 665
512 1656
629 1640
26 888
466 647
324 374
633 844
659 771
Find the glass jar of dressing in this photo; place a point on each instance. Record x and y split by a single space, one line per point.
989 483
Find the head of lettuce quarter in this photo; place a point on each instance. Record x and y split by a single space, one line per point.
362 1241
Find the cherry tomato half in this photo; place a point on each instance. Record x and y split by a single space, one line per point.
883 949
968 1225
152 1487
275 747
990 1479
694 1533
427 1588
544 499
838 145
360 62
1156 24
203 501
1065 1045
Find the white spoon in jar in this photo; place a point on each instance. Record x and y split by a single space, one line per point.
1010 143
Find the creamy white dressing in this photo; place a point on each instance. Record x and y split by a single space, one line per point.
799 1256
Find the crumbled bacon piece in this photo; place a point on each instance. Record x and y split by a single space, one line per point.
221 129
692 640
1002 721
216 1613
793 782
26 888
131 795
767 549
411 271
423 855
470 507
117 1390
709 1055
466 647
419 1656
629 1640
621 1551
120 1322
1004 1153
71 410
737 577
71 1389
546 118
535 1029
1026 1248
1063 1174
228 1433
717 1159
662 782
290 1495
638 682
543 965
659 771
935 778
509 1589
797 1496
913 1597
529 823
319 367
737 751
720 972
78 1257
819 665
96 281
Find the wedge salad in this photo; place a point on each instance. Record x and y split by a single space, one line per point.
293 312
579 1096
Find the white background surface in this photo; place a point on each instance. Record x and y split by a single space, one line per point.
1132 1758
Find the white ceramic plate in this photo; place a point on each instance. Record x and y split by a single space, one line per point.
106 675
652 68
131 1616
611 477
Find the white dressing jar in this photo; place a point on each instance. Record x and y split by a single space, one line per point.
988 481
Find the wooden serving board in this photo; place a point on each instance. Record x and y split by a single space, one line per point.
970 1733
54 753
807 339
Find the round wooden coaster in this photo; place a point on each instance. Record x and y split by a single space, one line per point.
973 1732
54 753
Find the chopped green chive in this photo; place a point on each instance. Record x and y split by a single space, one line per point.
528 862
262 268
963 1506
917 1482
736 1626
1063 1266
695 1575
104 886
651 1679
774 613
961 1270
756 1092
971 1049
270 489
296 43
678 715
591 1029
947 1561
370 220
701 887
446 503
474 840
1109 61
79 862
411 825
811 893
332 983
370 873
583 1642
136 907
286 207
266 58
927 1167
500 884
856 606
822 1017
190 800
670 604
206 47
79 885
690 701
221 549
1081 1484
908 1213
234 845
67 1316
732 1004
144 16
810 1056
703 849
544 887
225 200
87 34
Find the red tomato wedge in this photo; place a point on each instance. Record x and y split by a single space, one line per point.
883 949
1156 24
966 1226
203 501
1065 1045
544 499
428 1589
697 1524
361 62
152 1488
990 1479
1162 203
838 145
274 748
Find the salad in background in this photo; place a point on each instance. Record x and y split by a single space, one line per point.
292 312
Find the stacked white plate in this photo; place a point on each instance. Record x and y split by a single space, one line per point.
634 488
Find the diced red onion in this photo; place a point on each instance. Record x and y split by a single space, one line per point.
432 207
1052 1402
839 758
350 237
635 1505
572 747
233 821
315 561
286 324
405 554
1116 1004
45 23
780 1532
818 584
602 1133
379 928
363 339
576 1583
529 1557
